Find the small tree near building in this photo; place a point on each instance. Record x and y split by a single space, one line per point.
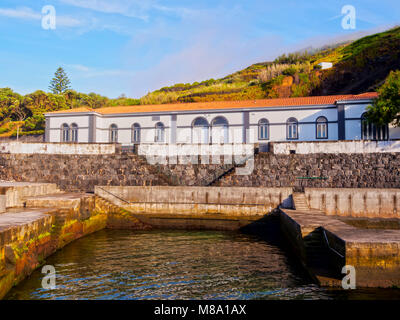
60 83
386 108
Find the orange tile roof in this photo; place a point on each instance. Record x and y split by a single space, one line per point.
215 105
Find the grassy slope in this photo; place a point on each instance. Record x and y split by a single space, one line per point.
358 67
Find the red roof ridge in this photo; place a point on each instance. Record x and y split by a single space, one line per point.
209 105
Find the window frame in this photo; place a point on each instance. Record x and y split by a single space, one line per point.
159 128
74 132
224 125
324 122
136 132
373 130
65 132
266 130
113 133
289 123
204 126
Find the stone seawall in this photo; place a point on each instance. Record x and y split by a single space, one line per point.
27 238
50 222
83 172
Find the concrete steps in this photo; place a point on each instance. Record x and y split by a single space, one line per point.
300 201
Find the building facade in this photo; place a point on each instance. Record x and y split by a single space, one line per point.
321 118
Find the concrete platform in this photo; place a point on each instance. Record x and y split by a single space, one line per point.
375 253
346 232
21 217
57 200
16 192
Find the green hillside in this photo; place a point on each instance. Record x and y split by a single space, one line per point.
357 67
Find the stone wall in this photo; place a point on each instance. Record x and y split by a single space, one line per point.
83 172
373 170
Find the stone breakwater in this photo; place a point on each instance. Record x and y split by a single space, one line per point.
83 172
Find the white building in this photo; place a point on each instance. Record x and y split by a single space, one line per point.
321 118
325 65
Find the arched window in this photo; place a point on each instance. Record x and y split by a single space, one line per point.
159 134
263 129
200 130
136 133
74 132
292 129
220 130
65 133
321 127
370 131
113 133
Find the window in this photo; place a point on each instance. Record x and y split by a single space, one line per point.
113 133
65 133
370 131
292 129
263 129
159 135
200 130
322 128
220 130
74 132
136 133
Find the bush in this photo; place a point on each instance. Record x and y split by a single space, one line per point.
291 71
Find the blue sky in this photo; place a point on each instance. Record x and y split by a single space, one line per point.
136 46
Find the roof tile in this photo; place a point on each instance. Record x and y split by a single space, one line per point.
215 105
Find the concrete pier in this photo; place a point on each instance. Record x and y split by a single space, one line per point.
374 253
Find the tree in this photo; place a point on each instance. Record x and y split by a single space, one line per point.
386 108
60 83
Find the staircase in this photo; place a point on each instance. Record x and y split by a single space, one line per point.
300 201
118 216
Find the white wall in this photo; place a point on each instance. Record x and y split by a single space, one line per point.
277 129
353 127
125 128
337 147
56 148
235 120
56 123
307 132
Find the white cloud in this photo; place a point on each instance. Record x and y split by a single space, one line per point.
129 8
79 67
20 13
27 13
134 9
